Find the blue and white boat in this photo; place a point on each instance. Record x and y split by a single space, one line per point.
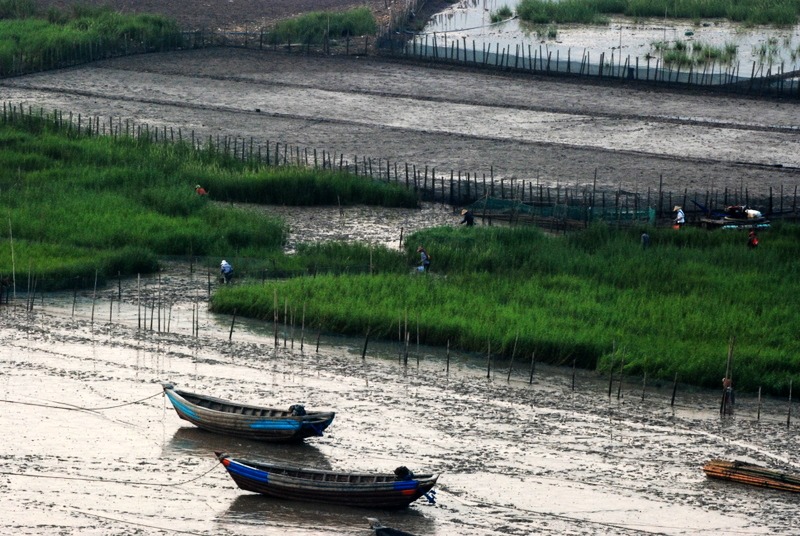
244 420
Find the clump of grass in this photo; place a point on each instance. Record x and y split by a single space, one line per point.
547 12
695 53
17 9
767 51
315 27
504 13
547 32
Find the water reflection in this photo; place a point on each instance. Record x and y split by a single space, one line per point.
196 442
266 511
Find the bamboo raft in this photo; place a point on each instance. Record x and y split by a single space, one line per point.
755 475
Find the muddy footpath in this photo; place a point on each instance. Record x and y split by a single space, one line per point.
91 446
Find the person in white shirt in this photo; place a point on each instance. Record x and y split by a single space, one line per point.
680 217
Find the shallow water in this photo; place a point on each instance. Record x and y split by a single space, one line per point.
469 21
92 447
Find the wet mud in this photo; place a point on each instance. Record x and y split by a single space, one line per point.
91 445
547 131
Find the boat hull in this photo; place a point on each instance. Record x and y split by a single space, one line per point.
253 422
363 490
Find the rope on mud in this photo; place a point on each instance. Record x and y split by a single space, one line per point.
135 523
106 481
70 407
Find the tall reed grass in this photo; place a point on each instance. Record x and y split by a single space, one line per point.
595 297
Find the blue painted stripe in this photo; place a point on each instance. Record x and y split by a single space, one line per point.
247 472
276 425
406 484
180 406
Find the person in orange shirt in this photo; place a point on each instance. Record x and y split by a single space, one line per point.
200 190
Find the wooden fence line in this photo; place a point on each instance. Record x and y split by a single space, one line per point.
393 41
454 188
154 314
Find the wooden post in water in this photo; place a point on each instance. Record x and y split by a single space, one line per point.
489 359
275 315
725 404
233 322
513 353
158 294
533 365
573 373
291 323
366 340
674 390
758 414
303 328
285 321
94 295
447 365
644 384
417 340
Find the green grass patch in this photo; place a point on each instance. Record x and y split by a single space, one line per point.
768 12
112 201
504 13
313 28
35 40
594 297
687 54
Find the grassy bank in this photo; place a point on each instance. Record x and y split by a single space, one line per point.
595 297
770 12
75 203
32 40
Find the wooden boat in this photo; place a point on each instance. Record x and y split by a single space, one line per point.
752 474
242 420
366 490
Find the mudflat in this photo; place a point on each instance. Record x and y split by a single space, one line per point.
482 123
